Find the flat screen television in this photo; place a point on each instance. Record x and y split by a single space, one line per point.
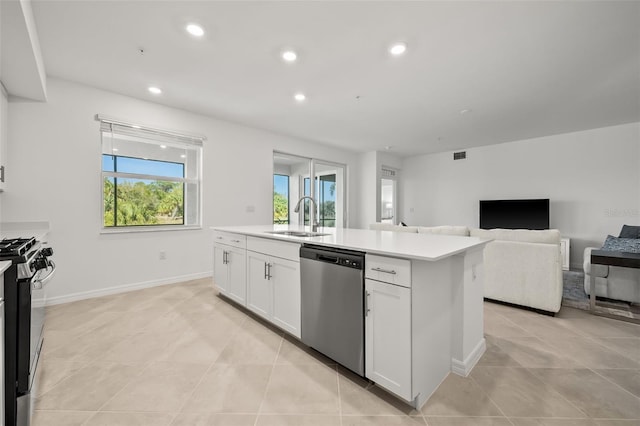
514 214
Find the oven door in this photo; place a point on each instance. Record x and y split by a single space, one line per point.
30 336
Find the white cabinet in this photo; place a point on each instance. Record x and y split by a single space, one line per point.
565 251
285 276
259 288
388 336
4 106
273 282
229 266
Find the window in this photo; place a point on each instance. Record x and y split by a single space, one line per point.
326 196
291 181
280 199
150 178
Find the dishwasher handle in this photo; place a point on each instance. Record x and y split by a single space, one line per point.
327 259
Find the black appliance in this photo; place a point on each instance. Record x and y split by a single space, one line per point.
514 214
31 269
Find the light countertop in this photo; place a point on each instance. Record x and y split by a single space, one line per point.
39 230
399 244
4 266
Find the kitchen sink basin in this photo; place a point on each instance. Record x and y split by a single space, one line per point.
297 233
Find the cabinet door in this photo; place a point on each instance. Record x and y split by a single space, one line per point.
220 268
285 277
4 106
258 287
237 274
388 337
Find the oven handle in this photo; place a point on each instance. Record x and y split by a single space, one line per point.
40 282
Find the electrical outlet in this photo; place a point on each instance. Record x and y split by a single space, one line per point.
163 255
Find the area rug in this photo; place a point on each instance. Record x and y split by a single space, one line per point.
573 294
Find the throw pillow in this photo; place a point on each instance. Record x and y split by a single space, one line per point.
629 231
628 245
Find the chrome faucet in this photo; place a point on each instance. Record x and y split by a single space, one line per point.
314 228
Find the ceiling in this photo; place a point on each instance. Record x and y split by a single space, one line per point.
524 69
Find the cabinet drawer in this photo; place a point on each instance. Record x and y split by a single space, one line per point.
284 250
230 239
388 270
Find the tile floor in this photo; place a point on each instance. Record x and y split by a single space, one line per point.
179 355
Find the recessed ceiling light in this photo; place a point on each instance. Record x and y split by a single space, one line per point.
299 97
155 90
466 111
289 56
195 30
163 146
183 156
398 48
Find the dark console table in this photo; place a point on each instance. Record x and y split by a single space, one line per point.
612 258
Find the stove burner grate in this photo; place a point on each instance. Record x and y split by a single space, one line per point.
10 247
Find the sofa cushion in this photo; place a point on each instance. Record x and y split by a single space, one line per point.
391 227
628 245
629 231
547 236
445 230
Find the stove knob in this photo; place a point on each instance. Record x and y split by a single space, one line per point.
47 251
40 263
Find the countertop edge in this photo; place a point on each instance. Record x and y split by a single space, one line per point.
407 254
4 265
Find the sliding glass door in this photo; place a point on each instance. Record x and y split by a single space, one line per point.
292 180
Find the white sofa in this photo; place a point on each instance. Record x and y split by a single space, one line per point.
391 227
612 282
442 230
523 267
462 231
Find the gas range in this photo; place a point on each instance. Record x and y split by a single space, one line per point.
31 258
24 282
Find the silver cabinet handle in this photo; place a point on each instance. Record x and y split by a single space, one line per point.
366 304
386 271
269 271
235 241
218 238
265 270
225 257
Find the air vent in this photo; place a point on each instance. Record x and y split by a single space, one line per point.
460 155
387 172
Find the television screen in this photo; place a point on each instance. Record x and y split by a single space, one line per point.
514 214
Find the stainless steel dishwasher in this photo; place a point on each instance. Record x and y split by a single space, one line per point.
333 303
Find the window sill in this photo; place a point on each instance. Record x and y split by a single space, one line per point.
135 229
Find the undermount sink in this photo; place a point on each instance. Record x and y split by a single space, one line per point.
297 233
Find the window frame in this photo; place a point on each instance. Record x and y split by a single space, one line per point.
162 137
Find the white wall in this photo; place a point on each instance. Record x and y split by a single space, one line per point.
592 179
369 185
54 158
366 194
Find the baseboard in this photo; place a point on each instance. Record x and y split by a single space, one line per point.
463 368
73 297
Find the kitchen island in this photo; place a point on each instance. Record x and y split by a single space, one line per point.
424 296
